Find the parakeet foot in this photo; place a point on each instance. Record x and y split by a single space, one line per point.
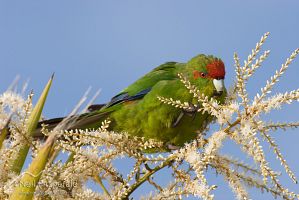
192 109
191 112
172 147
177 121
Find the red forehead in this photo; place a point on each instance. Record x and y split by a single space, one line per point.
216 69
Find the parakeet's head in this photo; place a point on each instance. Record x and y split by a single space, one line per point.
207 73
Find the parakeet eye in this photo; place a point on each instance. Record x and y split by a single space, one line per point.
202 74
197 74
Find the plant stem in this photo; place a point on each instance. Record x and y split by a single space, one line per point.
100 182
147 175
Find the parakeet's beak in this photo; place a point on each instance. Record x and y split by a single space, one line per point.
219 86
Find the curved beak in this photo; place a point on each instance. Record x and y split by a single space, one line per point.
219 86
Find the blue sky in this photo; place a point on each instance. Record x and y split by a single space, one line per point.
109 44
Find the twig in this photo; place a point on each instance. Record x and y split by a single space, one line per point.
147 176
100 182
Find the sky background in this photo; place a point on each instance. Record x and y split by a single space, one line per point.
109 44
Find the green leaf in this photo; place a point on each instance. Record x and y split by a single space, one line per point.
26 187
34 117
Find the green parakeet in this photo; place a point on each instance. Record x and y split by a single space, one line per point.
137 110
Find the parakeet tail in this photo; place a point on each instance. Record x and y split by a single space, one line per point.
83 121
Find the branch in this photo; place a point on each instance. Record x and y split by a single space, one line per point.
147 176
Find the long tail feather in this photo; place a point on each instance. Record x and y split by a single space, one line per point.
84 121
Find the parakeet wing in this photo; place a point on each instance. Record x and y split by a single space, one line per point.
142 86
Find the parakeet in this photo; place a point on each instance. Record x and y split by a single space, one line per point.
137 110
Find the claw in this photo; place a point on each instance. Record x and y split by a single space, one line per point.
193 109
177 121
190 112
172 147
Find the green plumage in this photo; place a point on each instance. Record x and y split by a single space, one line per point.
138 111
